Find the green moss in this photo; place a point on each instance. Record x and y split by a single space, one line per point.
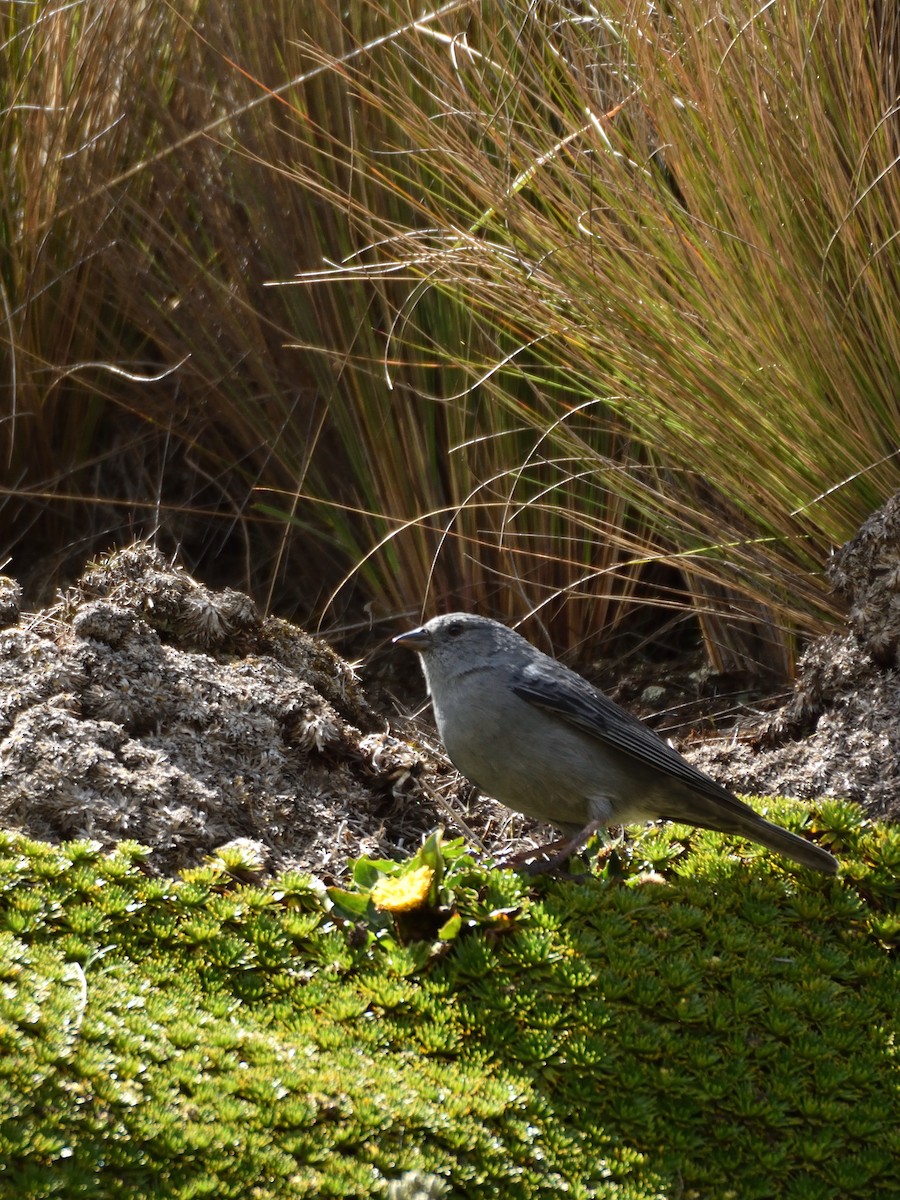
729 1030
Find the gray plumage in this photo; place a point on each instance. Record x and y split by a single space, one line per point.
538 737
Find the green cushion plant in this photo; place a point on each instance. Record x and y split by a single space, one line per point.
679 1022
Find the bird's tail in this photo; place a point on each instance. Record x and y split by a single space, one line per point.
724 813
773 837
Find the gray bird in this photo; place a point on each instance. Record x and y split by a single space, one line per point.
538 737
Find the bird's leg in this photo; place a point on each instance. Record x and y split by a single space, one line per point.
553 855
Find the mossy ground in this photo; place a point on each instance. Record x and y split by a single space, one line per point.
682 1023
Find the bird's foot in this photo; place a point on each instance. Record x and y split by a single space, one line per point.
553 856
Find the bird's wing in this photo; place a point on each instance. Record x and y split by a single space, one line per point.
572 699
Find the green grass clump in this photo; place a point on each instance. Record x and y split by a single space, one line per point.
680 1023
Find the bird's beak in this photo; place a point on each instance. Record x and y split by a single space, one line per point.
415 639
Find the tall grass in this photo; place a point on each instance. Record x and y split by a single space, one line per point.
573 312
674 234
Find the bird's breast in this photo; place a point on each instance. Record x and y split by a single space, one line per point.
516 753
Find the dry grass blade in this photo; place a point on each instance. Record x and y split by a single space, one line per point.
670 234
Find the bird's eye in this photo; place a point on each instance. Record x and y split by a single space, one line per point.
455 629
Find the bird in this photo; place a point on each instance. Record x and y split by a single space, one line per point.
530 732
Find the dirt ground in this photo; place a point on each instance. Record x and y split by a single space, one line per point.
839 732
145 706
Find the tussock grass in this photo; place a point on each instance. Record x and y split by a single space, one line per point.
672 233
590 310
